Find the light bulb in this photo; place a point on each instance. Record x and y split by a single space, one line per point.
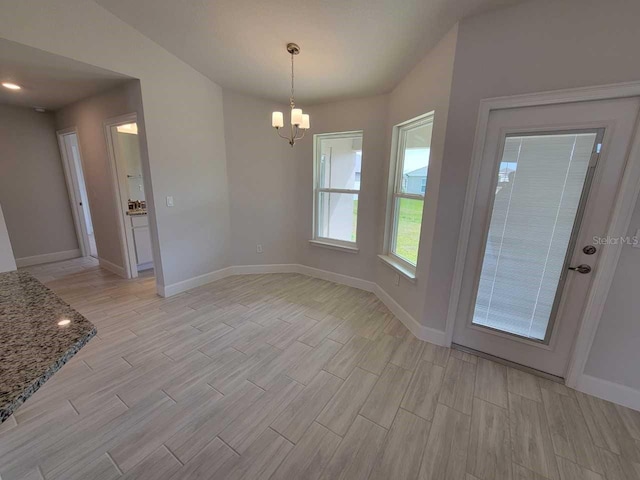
296 116
277 120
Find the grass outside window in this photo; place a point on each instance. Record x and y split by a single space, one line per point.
409 222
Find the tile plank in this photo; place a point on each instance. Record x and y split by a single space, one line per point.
343 408
309 365
246 428
301 412
403 450
491 383
457 385
572 471
379 354
259 461
160 465
408 352
530 438
523 384
445 455
384 400
489 445
343 363
310 455
569 433
421 397
436 354
357 453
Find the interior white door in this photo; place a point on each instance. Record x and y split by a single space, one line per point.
78 192
548 182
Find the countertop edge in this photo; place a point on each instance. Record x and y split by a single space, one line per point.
8 409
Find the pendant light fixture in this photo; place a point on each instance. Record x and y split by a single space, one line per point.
299 121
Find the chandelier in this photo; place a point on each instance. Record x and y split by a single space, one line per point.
299 121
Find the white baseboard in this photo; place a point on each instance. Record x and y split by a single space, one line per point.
145 266
48 258
613 392
420 331
112 267
179 287
427 334
337 278
260 269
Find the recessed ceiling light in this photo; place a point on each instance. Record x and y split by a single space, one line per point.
40 109
64 322
11 86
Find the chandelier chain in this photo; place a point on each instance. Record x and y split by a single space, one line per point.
291 100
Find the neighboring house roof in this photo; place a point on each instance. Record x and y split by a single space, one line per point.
420 172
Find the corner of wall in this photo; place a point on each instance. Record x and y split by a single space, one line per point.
610 391
7 262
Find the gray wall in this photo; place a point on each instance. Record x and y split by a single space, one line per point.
534 47
262 176
268 203
366 114
183 146
614 355
33 192
427 87
88 116
7 262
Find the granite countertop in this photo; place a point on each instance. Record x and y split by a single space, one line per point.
32 344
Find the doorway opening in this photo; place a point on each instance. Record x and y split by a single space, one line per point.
123 146
80 207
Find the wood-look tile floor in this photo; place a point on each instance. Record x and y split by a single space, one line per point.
291 377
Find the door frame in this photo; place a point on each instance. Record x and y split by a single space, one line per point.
127 244
619 221
74 189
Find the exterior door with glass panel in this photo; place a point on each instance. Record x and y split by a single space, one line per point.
548 182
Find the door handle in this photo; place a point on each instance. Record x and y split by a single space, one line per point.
581 268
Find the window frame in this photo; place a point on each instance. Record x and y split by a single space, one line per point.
317 190
395 193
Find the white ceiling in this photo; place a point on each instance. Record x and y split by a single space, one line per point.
48 80
349 47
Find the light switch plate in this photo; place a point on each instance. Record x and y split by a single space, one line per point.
169 201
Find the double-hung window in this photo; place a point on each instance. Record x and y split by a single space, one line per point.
337 172
408 185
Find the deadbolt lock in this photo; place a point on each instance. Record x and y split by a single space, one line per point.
589 250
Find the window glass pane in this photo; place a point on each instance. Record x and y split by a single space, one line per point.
340 162
338 216
540 182
416 144
408 214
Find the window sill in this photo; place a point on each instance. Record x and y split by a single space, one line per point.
407 273
334 246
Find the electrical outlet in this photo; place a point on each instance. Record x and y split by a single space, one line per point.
259 248
396 280
169 201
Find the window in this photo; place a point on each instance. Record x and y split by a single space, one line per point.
409 168
337 171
